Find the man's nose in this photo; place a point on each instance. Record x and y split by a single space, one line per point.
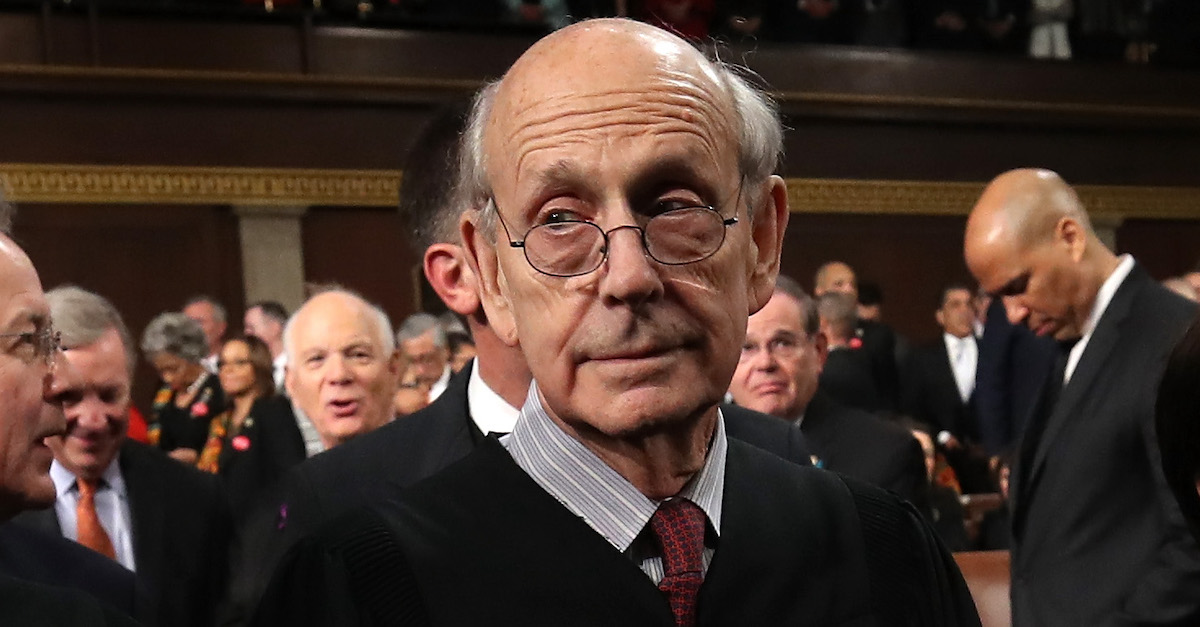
1015 310
55 380
337 370
89 413
629 275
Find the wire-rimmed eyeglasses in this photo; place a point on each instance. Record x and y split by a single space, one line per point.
568 248
46 343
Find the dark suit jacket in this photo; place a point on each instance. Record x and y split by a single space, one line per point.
49 558
181 534
1013 364
847 378
1098 537
31 604
398 455
273 445
855 443
930 394
481 543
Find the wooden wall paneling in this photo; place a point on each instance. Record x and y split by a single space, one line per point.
910 257
145 259
1165 247
365 250
187 131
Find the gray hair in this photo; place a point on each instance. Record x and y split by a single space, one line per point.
82 317
419 324
175 334
759 135
810 319
840 312
218 308
383 325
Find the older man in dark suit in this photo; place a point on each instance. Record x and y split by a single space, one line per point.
778 374
168 523
484 398
29 414
1097 537
649 238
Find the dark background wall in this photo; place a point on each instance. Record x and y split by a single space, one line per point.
160 91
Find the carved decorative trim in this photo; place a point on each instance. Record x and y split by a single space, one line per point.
189 185
956 199
281 187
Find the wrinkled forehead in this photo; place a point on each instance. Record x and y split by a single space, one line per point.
605 85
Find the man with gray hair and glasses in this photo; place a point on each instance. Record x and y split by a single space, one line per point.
624 224
34 565
422 339
165 521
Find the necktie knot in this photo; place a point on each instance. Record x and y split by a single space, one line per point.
87 488
679 526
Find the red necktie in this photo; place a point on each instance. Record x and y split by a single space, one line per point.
90 532
679 526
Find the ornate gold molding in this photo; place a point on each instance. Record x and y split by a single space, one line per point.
282 187
956 199
199 185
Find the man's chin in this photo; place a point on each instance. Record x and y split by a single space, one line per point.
40 493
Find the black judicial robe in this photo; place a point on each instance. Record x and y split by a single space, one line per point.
482 544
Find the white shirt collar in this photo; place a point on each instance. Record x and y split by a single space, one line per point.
489 411
439 386
1103 298
64 480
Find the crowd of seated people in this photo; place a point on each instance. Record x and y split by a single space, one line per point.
1165 32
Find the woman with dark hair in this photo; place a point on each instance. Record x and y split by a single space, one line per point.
256 439
1178 422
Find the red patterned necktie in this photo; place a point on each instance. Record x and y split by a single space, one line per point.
679 526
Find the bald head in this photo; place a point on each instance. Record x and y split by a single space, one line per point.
1029 241
1023 207
343 368
563 75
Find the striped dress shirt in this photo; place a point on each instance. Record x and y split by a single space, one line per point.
601 497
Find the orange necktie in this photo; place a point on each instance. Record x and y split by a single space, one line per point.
91 532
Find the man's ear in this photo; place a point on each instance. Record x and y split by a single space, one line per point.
451 276
821 345
481 255
767 229
1070 233
940 317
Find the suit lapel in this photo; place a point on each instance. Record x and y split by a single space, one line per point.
946 381
145 508
1095 355
455 440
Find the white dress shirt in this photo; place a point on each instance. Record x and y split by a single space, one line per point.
964 358
278 368
112 507
439 386
489 411
1103 298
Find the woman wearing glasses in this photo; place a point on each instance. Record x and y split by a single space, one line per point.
190 396
255 439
